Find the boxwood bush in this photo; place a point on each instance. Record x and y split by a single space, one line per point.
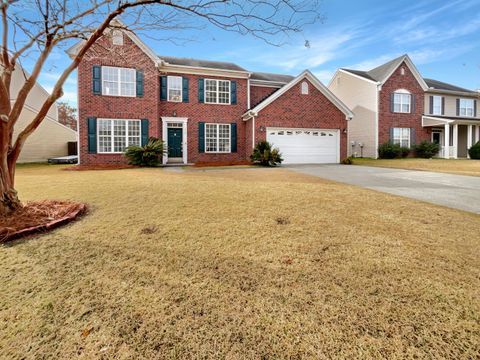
390 151
474 151
427 149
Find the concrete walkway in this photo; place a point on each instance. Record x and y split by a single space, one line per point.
455 191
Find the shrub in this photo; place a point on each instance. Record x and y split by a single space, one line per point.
347 161
147 155
405 151
427 149
474 151
389 151
263 154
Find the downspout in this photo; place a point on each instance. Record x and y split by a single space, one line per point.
253 132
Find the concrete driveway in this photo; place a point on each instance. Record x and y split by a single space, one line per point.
455 191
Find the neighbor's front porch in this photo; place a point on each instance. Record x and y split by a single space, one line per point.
455 136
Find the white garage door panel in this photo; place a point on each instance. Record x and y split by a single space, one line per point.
305 146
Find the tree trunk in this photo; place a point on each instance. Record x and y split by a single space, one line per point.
9 201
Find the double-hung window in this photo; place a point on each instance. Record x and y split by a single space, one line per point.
217 91
217 138
174 88
402 101
437 105
118 81
115 135
466 107
401 136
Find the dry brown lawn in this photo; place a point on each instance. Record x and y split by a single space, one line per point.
451 166
238 264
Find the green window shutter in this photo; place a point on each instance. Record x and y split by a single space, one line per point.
458 107
443 105
144 132
233 137
139 83
185 90
431 104
201 137
392 102
413 103
475 108
92 135
97 80
412 137
233 92
201 90
391 135
163 88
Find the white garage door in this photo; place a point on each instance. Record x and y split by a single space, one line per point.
305 146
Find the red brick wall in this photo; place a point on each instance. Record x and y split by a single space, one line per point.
146 107
199 112
387 119
295 110
259 93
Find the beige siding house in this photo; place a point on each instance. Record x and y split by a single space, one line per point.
452 114
361 97
51 138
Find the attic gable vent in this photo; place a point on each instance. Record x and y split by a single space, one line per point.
117 37
402 71
304 88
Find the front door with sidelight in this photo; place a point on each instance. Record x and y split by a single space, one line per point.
175 148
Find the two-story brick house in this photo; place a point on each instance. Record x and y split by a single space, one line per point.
393 102
205 111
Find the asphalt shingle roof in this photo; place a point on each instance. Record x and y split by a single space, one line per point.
271 77
202 63
439 85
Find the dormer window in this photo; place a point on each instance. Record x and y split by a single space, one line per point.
304 88
402 101
117 37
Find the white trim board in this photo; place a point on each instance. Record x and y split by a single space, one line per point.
184 122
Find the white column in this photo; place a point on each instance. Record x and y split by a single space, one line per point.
455 141
469 138
446 142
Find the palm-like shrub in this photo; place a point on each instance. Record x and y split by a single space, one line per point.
147 155
263 154
427 149
474 151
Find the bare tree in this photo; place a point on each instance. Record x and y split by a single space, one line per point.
34 28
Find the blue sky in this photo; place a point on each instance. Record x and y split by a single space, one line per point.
441 36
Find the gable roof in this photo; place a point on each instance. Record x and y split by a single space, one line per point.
278 78
317 83
201 63
439 85
383 72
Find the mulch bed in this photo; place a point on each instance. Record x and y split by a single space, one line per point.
100 167
222 163
39 216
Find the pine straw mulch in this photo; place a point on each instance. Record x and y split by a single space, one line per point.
39 216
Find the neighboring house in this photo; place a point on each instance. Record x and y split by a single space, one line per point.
393 102
205 111
51 138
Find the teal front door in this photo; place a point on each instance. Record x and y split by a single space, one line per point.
175 136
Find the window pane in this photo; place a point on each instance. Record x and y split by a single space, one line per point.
134 133
211 137
119 135
210 91
224 138
104 136
174 88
